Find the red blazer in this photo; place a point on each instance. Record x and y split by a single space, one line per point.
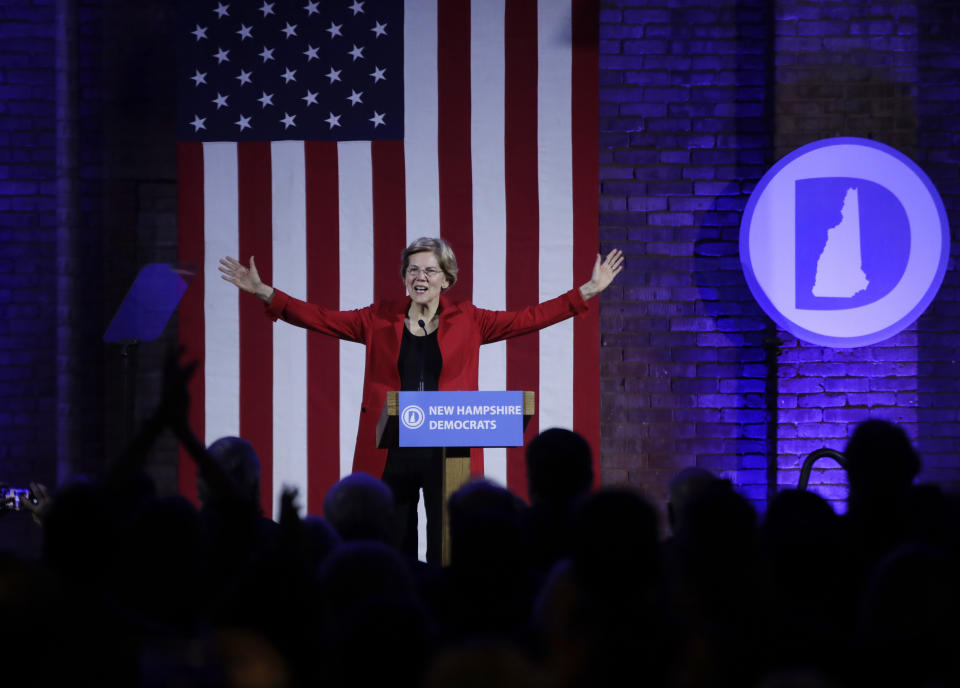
462 329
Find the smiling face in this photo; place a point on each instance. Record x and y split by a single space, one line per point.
423 288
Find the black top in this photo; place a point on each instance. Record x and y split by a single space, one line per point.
416 352
419 354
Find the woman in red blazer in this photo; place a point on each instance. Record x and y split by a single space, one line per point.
428 269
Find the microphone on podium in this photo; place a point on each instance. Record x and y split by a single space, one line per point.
423 352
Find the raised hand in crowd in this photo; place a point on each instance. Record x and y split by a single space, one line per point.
39 505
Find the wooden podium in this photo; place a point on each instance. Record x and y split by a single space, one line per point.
456 460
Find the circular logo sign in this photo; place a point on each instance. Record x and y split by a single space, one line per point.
412 416
844 242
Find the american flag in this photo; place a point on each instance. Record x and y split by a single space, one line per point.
321 137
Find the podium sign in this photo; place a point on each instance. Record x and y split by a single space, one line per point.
461 419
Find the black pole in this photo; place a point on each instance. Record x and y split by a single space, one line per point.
128 353
771 342
771 348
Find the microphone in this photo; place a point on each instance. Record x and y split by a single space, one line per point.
423 351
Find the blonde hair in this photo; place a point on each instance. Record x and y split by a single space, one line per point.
440 248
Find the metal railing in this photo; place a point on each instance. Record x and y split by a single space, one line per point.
815 456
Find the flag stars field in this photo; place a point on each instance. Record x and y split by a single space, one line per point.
300 71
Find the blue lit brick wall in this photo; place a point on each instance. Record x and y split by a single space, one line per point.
27 241
697 100
938 152
124 218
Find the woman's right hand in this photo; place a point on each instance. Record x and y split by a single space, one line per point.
247 279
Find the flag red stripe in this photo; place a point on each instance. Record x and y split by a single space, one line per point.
523 214
453 137
256 336
389 218
585 115
323 353
190 312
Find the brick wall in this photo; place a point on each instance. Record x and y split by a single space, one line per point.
69 252
937 89
697 100
27 245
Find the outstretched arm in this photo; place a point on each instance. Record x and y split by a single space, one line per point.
603 274
497 325
246 278
349 325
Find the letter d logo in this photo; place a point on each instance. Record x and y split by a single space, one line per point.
844 242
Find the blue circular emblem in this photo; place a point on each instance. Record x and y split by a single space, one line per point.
844 242
412 416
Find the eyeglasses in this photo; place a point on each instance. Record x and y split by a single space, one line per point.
414 271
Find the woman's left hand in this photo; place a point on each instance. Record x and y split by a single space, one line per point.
603 273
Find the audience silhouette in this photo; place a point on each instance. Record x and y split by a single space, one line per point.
578 588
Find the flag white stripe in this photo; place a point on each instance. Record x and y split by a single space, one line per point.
487 74
555 173
289 343
221 316
420 118
356 280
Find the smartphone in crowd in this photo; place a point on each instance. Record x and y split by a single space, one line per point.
13 498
